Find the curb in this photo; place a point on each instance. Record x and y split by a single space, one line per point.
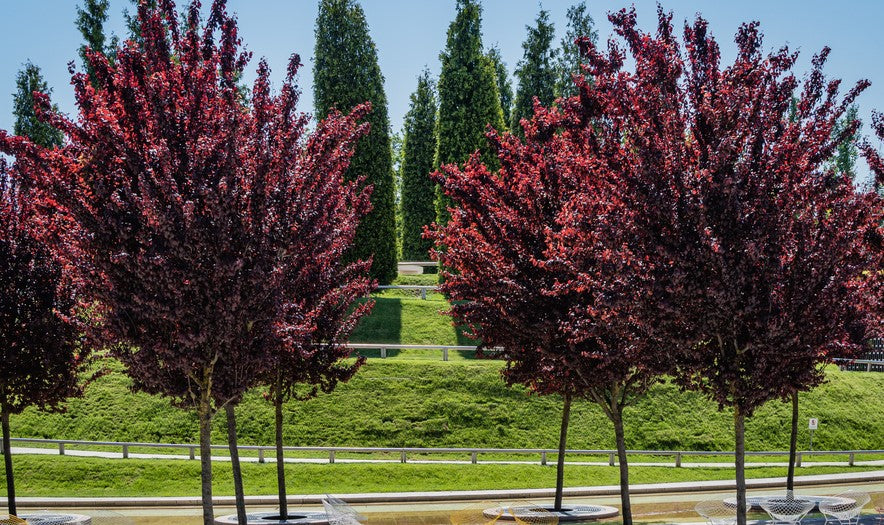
456 495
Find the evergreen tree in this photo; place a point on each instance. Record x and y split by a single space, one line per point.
29 80
90 22
132 27
844 161
580 24
504 86
536 71
468 97
397 145
346 74
418 193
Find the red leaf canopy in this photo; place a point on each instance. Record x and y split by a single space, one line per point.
204 230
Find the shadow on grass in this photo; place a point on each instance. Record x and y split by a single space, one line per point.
382 325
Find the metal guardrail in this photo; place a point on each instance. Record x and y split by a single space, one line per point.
473 453
423 288
384 347
871 364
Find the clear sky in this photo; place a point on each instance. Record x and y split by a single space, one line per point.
409 35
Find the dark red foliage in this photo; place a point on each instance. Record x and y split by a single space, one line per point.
203 230
873 157
763 248
506 241
530 273
720 224
746 258
197 222
41 356
875 280
678 213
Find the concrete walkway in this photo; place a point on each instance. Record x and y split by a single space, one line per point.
254 459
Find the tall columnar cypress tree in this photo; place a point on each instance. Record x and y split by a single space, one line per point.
468 96
536 71
90 22
580 24
846 154
346 74
418 193
504 86
29 80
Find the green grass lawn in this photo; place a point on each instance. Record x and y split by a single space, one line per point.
90 477
402 317
413 399
394 402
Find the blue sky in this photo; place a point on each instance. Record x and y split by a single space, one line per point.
410 34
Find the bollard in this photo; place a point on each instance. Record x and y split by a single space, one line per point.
125 451
543 458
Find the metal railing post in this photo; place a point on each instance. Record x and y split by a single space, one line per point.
125 451
850 459
473 457
611 459
331 456
61 449
445 354
260 455
192 452
798 460
402 457
678 459
543 458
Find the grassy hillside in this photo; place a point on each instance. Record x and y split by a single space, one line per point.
402 317
465 404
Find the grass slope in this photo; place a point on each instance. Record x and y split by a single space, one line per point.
394 402
38 476
402 317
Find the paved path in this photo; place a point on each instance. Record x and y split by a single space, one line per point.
254 459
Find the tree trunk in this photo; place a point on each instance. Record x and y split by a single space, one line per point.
560 464
280 464
624 466
205 419
7 460
740 464
230 411
793 447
